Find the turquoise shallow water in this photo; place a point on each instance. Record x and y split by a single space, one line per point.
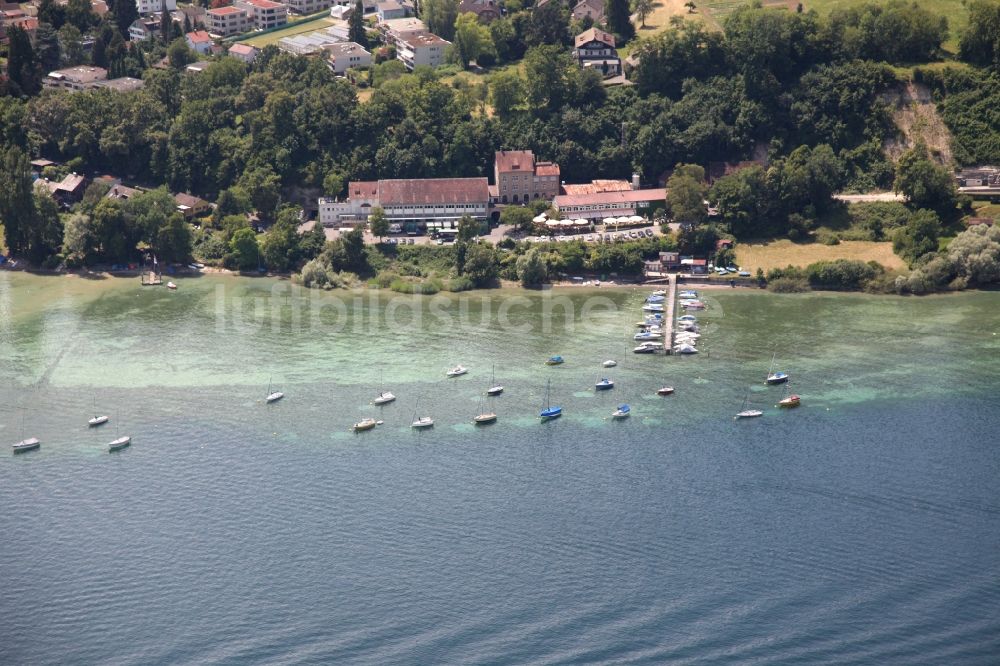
860 528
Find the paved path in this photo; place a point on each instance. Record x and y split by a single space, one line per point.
865 198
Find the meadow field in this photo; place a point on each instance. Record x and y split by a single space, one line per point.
781 253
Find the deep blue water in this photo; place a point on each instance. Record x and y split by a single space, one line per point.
849 531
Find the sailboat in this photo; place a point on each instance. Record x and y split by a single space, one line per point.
665 390
748 413
272 396
790 400
484 416
422 422
98 419
29 444
119 443
384 397
776 377
365 424
549 411
494 389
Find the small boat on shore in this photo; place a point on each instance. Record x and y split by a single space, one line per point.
647 335
604 384
665 390
622 412
648 348
555 360
365 424
652 307
171 286
457 371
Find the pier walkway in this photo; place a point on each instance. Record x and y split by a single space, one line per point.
668 314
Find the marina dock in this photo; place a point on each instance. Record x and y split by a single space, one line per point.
668 333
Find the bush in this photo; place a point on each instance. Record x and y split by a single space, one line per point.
788 285
383 280
827 237
426 287
843 274
461 283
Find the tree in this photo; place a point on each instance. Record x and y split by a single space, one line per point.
311 243
280 246
618 18
532 270
642 9
71 45
166 23
126 12
481 265
518 217
980 43
246 252
17 205
686 194
21 66
79 13
506 92
548 24
975 255
440 15
919 237
356 31
99 54
471 39
231 201
378 223
546 73
51 13
924 183
333 184
264 187
179 55
45 235
47 50
173 239
468 229
78 239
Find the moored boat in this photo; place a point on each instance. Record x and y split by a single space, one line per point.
773 377
790 401
550 411
647 335
97 420
745 411
422 422
494 389
609 363
272 396
365 424
653 307
384 398
622 412
604 384
555 360
29 444
665 390
119 444
457 371
648 348
685 348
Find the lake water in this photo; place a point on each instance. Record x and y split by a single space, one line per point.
863 527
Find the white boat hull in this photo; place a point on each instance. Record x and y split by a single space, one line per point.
424 422
119 444
29 444
275 397
97 420
384 399
495 390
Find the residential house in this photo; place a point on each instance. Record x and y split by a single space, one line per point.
666 262
979 221
592 9
369 6
196 16
595 49
982 176
191 206
122 84
122 192
520 179
264 14
154 6
394 30
485 10
244 52
386 10
75 78
308 6
69 190
99 8
143 29
199 41
419 204
226 21
343 56
421 48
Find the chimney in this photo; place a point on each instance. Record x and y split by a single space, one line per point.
635 181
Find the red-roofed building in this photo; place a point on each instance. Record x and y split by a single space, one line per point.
244 52
595 49
418 203
199 41
599 205
264 14
520 179
226 21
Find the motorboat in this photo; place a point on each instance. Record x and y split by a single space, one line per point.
622 412
422 422
694 305
647 335
688 327
659 292
97 420
609 363
384 398
688 293
550 411
365 424
119 444
665 390
171 286
555 360
29 444
604 384
655 299
648 348
684 348
457 371
653 307
688 317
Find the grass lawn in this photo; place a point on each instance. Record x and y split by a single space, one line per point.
322 21
981 208
781 253
663 11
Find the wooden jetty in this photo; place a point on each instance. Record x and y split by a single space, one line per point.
668 333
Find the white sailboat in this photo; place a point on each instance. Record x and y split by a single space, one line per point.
119 443
423 421
272 396
748 413
29 444
98 419
494 389
384 397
